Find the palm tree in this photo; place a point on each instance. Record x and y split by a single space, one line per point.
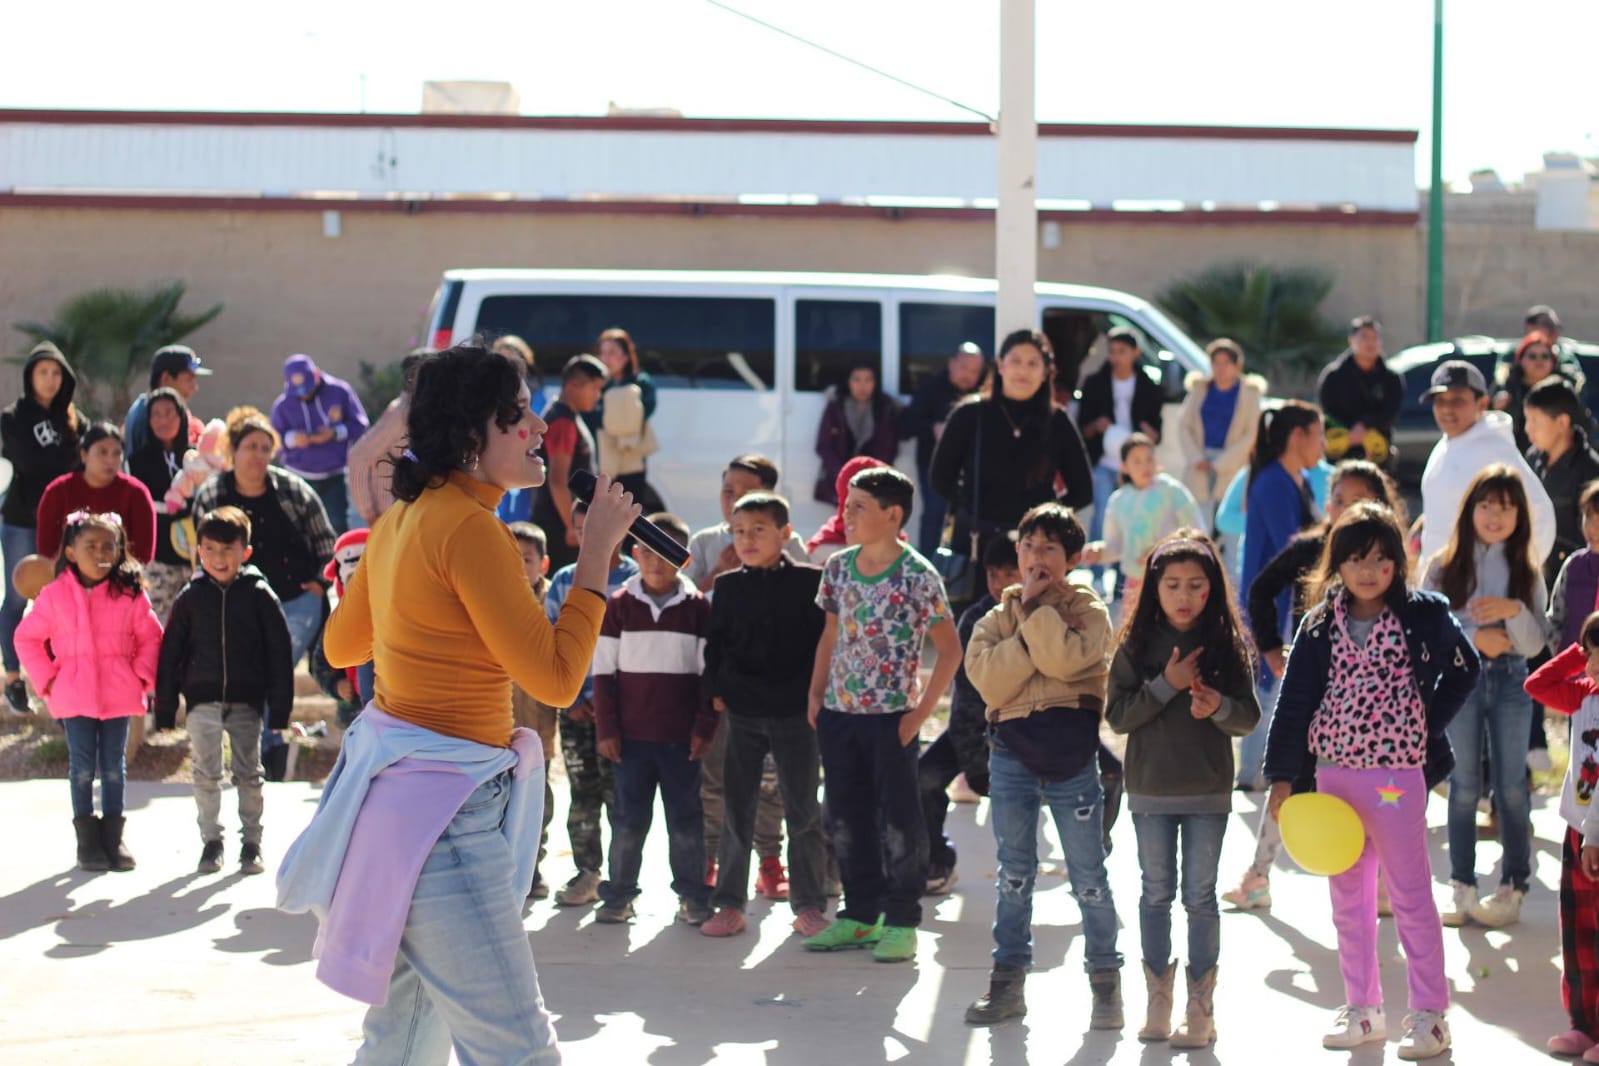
1274 312
109 335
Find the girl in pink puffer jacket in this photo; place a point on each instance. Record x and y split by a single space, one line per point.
90 647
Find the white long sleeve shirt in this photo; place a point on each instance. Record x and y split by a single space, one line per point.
1456 461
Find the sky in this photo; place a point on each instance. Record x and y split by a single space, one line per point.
1357 63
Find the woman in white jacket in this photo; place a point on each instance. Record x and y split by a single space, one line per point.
1217 423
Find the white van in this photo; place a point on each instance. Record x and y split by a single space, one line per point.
742 359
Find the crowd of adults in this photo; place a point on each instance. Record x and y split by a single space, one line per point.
992 437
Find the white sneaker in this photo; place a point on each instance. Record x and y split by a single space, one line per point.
1426 1035
1500 909
1355 1026
1463 900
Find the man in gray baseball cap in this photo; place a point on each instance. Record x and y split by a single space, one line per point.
1473 438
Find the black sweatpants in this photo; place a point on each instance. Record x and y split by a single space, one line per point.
874 815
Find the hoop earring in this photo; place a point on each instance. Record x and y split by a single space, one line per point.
471 461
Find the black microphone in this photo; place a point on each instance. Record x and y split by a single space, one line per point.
647 533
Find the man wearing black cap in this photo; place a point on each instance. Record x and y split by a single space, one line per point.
1473 438
176 367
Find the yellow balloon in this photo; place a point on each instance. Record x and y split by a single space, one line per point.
1322 833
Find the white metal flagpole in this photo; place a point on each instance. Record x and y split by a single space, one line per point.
1016 218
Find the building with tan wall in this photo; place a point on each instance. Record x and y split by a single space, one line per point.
346 275
362 295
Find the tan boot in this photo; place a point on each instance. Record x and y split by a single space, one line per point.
1157 1020
1199 1029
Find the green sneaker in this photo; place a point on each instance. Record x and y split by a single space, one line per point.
898 944
845 933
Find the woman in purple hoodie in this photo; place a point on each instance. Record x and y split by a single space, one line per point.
319 416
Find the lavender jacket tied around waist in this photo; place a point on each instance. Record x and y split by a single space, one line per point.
392 793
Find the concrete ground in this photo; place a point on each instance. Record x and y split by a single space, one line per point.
162 966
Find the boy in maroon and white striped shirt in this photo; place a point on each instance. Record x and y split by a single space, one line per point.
653 721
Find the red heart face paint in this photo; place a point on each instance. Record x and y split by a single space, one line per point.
524 434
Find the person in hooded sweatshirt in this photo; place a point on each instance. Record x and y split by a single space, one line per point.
1473 438
319 416
39 435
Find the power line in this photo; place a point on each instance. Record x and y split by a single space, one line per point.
851 60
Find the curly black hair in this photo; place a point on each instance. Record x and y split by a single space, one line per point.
458 392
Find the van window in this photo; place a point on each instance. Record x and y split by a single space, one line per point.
830 336
685 342
930 333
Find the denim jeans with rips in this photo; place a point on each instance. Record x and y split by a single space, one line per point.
1016 798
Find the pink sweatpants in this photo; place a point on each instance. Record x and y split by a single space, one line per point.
1392 805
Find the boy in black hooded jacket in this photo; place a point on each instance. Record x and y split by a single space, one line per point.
226 648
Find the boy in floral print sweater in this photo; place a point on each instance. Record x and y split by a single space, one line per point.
882 601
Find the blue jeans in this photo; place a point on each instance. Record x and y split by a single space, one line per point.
1252 748
464 974
334 492
931 530
1016 796
304 615
96 743
1158 836
1106 481
645 768
1500 710
16 544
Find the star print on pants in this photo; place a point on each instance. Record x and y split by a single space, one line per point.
1389 794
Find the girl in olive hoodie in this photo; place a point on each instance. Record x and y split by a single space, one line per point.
39 435
1181 688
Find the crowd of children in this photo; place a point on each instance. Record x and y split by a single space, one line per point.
741 689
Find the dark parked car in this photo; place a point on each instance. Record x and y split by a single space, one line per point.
1415 433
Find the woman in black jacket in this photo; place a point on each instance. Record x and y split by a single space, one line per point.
1025 444
156 464
39 435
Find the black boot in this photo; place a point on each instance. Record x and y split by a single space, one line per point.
1004 998
91 852
111 839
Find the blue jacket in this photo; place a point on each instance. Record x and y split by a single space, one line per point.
1273 517
1445 665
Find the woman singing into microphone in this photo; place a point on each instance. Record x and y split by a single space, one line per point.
420 852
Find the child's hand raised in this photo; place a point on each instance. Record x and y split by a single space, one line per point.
1183 670
1203 700
1034 582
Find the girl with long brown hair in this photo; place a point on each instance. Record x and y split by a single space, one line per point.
1492 578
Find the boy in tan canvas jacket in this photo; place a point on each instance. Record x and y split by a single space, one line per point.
1040 660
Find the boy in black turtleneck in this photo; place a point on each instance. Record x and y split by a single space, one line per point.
765 626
